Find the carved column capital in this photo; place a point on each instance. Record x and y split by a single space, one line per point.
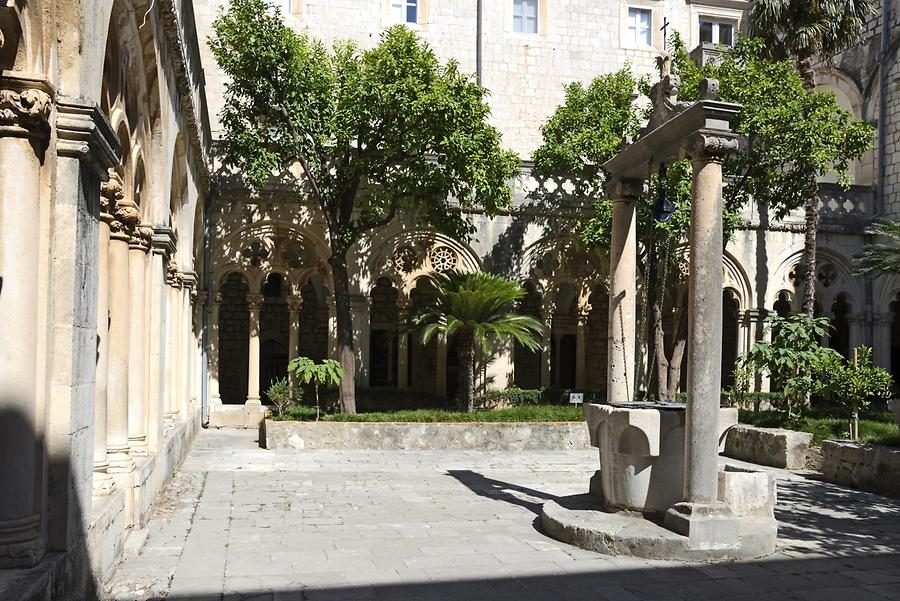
294 303
164 240
173 277
703 146
141 238
217 300
25 105
254 301
622 190
111 192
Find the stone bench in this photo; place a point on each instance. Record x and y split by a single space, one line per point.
774 447
871 467
400 436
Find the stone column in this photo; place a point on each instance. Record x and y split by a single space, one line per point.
581 347
623 290
163 245
704 319
756 321
138 246
857 323
359 307
441 375
294 303
213 371
24 109
126 217
103 482
332 327
546 353
173 359
403 347
884 323
254 304
187 354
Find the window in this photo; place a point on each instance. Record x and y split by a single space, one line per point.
405 11
714 31
639 27
525 16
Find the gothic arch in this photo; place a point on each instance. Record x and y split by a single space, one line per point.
849 97
409 255
735 277
21 27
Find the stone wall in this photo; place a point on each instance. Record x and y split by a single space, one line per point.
421 437
875 468
768 446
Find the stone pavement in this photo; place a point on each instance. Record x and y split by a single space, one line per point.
242 523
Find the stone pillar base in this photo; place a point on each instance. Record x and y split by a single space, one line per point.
120 462
102 484
137 447
707 526
21 545
253 403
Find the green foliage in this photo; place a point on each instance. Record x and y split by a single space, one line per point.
795 137
805 28
279 393
392 119
587 129
856 383
793 359
525 413
882 255
474 304
876 428
327 373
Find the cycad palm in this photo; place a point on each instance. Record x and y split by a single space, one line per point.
883 255
807 30
474 307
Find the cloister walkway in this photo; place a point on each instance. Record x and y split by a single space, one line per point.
240 522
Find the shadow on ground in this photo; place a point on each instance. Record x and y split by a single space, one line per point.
862 578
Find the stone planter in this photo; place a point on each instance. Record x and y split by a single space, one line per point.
394 436
871 467
641 454
776 447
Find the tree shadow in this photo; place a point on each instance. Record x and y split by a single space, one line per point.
502 491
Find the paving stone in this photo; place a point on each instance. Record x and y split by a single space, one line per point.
358 525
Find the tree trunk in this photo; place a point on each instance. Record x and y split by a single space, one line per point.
677 356
345 351
805 58
466 372
809 255
659 342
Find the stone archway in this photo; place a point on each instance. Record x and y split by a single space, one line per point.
527 362
234 339
383 334
731 316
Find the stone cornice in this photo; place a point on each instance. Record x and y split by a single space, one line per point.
163 241
26 101
193 111
83 132
188 279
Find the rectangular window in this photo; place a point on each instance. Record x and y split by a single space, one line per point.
639 27
714 31
405 11
525 16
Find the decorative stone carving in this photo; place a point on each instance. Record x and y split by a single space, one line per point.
110 193
620 190
702 146
25 110
255 253
173 277
254 301
294 303
442 259
827 274
294 255
405 259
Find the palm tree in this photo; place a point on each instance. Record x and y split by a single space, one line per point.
807 30
884 256
474 307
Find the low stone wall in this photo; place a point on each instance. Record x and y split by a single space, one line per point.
393 436
775 447
871 467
